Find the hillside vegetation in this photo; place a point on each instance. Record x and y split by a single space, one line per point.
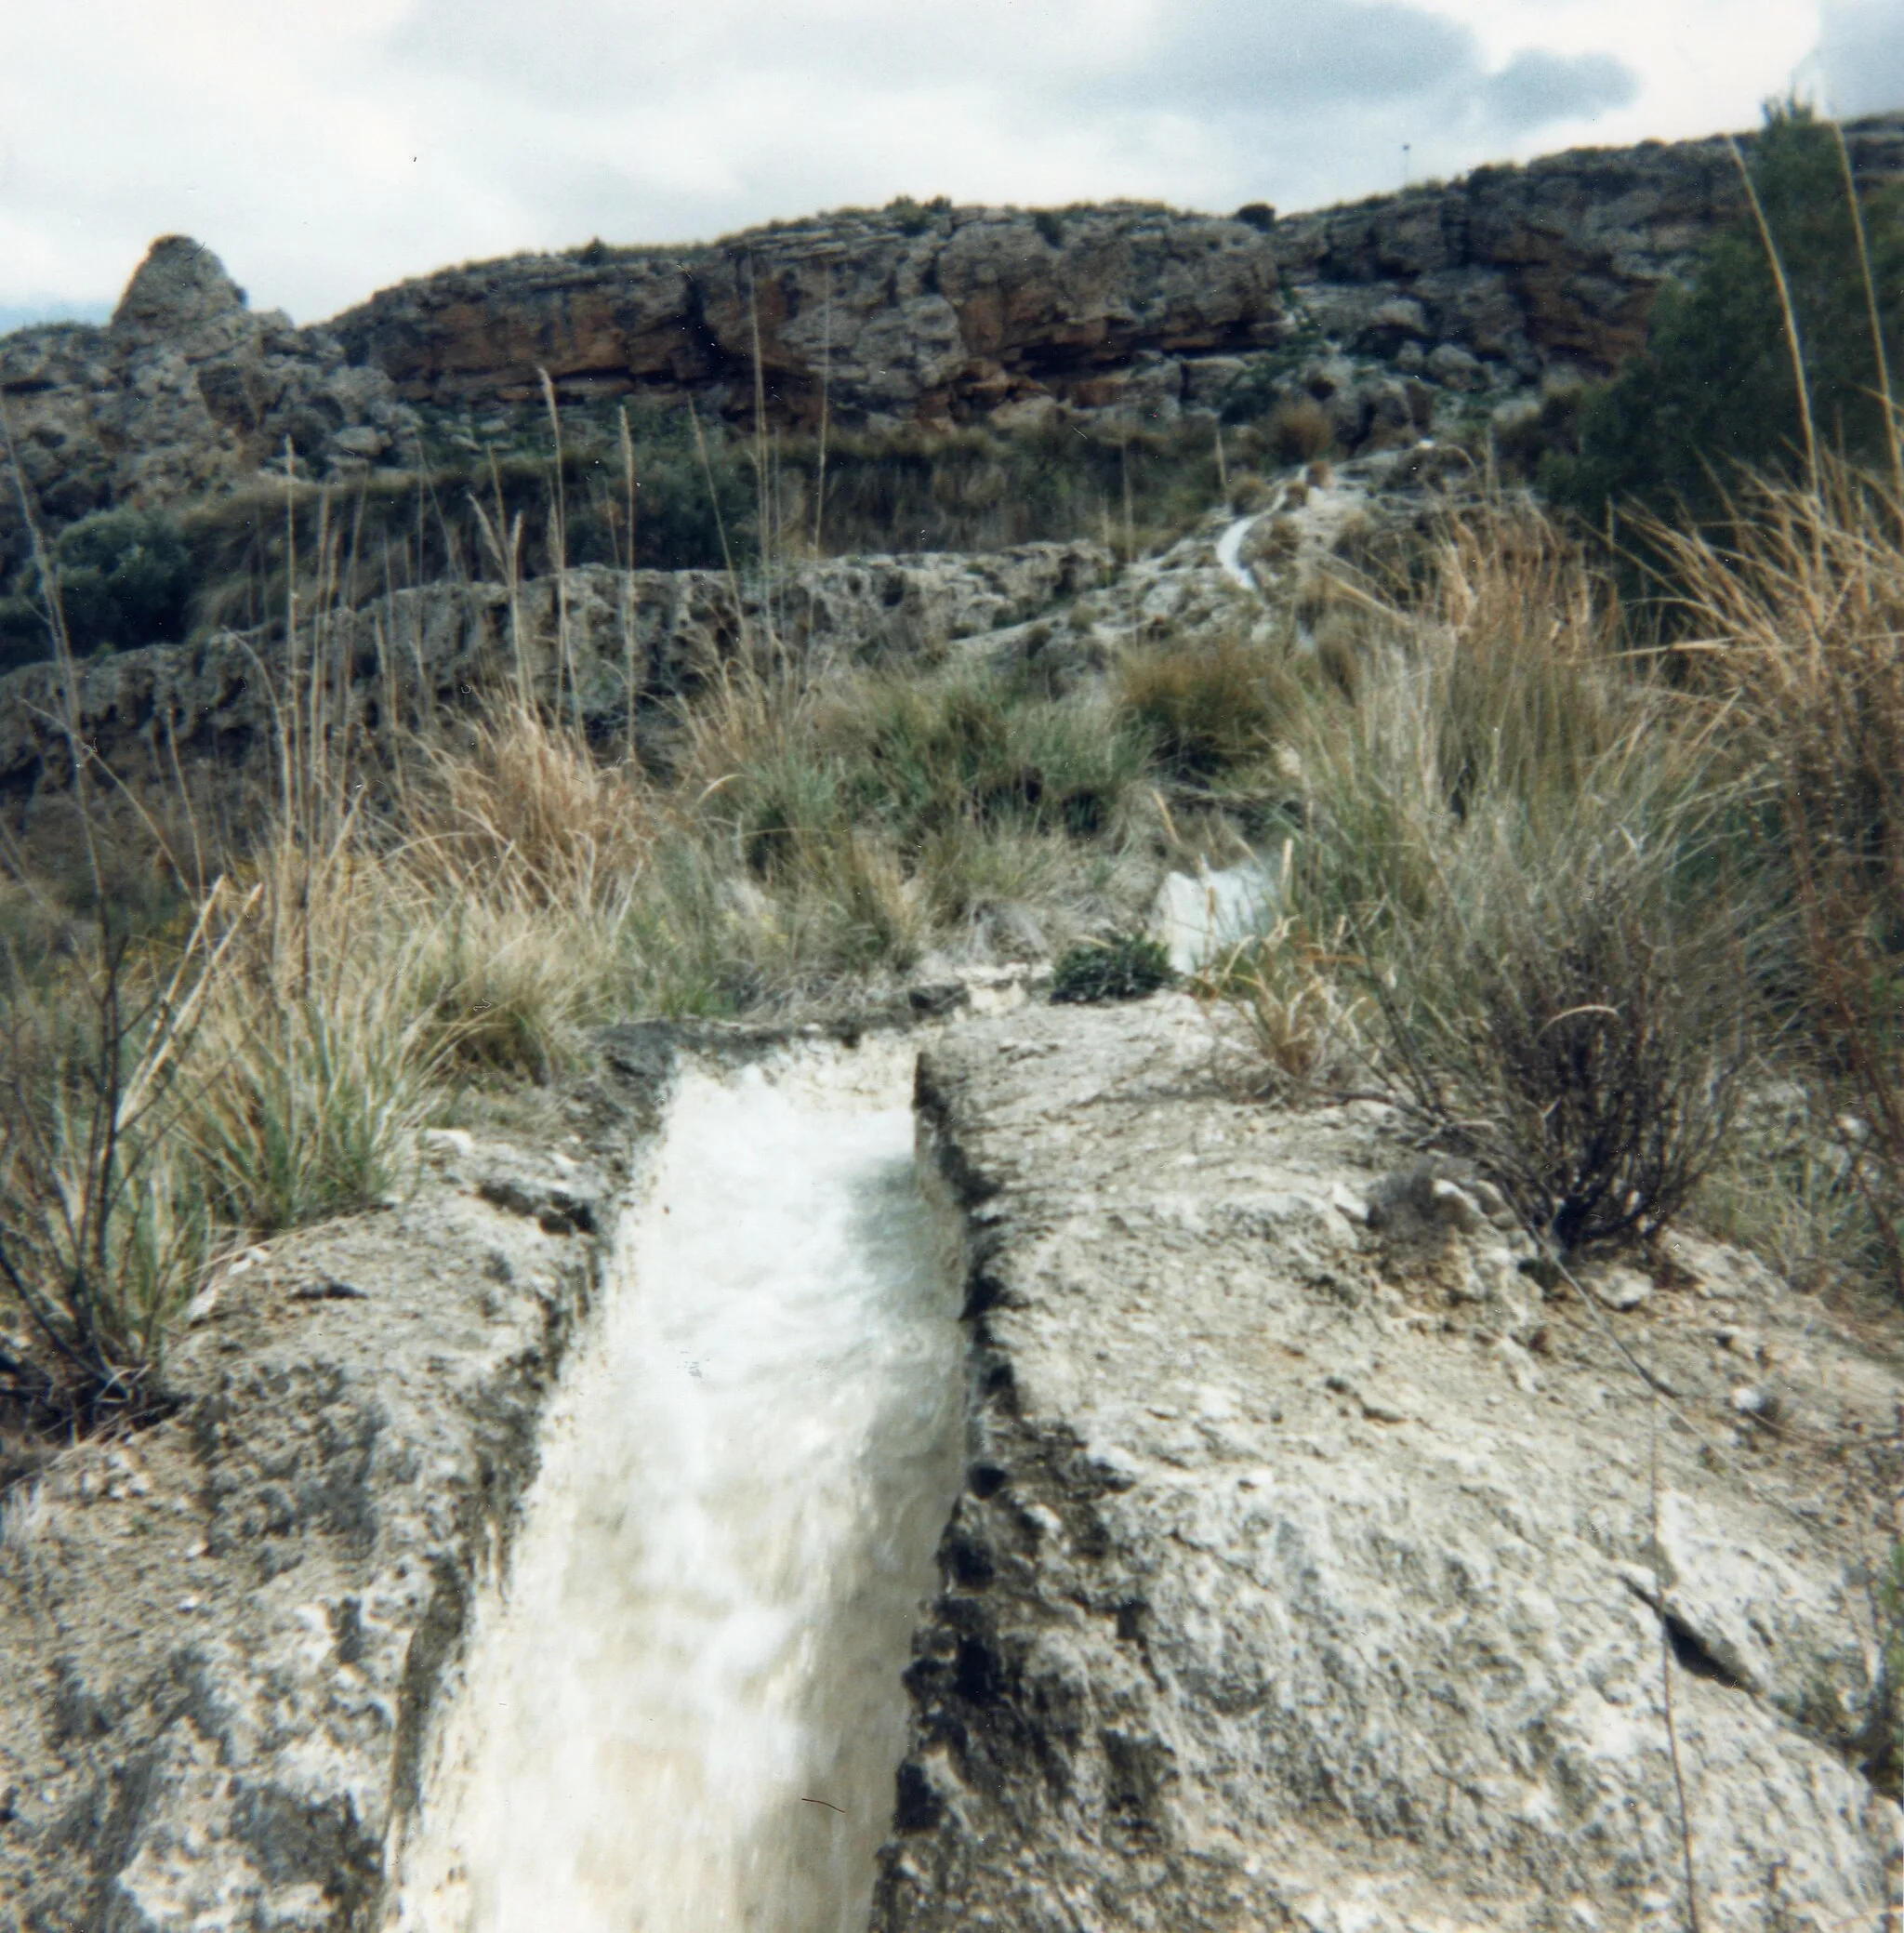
1612 901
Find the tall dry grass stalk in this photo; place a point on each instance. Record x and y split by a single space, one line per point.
1798 626
558 550
1894 442
1794 342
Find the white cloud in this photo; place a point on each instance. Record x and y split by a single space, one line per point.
326 151
1861 55
1537 88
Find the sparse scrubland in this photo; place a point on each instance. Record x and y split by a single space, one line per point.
1604 890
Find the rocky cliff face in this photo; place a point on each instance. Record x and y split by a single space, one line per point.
1401 312
908 315
924 314
1546 270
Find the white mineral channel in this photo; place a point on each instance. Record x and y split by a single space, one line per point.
686 1715
1229 551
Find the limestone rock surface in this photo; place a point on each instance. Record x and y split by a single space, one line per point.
1400 315
224 1636
1312 1568
635 640
1546 269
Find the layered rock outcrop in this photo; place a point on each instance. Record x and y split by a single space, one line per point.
900 316
913 313
1542 270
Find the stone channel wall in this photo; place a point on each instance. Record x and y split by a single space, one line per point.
226 1636
1312 1568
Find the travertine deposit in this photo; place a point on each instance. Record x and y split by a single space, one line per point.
628 642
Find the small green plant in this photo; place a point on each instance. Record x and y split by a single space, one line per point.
1119 966
1050 225
104 1222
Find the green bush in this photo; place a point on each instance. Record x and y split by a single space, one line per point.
1715 389
125 578
1122 966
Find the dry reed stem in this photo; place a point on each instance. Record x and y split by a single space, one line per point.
1792 341
557 547
1893 447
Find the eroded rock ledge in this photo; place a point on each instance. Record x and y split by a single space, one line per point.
1306 1572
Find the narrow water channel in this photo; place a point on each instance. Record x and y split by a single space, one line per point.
684 1711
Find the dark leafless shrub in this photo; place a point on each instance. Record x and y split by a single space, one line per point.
1580 1053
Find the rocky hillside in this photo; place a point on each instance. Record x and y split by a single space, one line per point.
1402 311
184 393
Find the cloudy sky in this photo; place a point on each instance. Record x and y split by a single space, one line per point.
327 150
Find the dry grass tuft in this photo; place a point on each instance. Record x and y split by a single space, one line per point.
1207 708
527 800
1798 630
1299 430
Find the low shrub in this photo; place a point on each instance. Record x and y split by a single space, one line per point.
124 579
105 1224
1586 1062
1119 966
918 756
1304 1017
